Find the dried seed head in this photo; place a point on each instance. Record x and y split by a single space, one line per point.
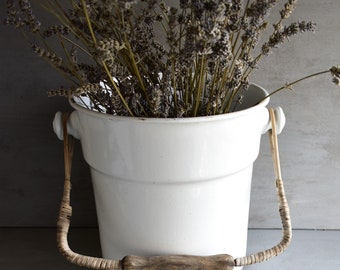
336 80
86 89
210 38
59 92
335 72
279 36
55 30
184 3
156 99
288 9
307 26
51 57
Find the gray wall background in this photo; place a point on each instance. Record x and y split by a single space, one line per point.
31 165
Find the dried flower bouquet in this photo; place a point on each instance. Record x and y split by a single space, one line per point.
151 58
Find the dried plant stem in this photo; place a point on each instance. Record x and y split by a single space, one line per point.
214 85
72 65
89 22
76 45
134 66
200 86
103 62
229 100
174 84
115 55
116 88
187 86
239 32
289 85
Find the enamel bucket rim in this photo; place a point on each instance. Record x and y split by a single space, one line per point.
183 120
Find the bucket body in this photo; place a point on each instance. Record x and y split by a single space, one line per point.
172 186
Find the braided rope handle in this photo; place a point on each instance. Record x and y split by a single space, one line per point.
217 262
283 207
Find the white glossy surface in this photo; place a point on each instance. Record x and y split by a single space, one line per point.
167 186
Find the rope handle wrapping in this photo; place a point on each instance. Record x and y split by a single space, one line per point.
176 262
283 207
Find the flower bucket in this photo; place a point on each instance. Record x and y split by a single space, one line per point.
172 186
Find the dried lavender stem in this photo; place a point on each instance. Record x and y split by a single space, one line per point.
200 86
239 32
117 88
205 63
89 22
76 45
74 69
230 100
289 85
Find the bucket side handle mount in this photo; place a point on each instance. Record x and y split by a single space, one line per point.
280 120
72 125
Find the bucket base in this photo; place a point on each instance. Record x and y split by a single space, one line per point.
195 218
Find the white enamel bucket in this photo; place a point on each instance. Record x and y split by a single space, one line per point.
172 186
